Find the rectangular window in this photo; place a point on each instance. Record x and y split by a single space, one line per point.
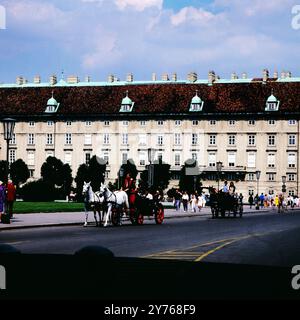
292 160
106 157
125 123
50 123
292 193
142 158
142 139
251 122
292 122
31 124
195 122
106 123
231 122
271 140
212 122
49 138
160 123
212 160
177 123
124 158
194 139
251 177
251 140
272 122
231 159
212 140
177 138
292 140
194 156
69 123
106 138
231 140
87 157
68 138
251 163
271 176
12 156
31 138
68 158
88 139
160 157
160 140
291 177
271 160
30 158
142 123
88 123
177 160
124 138
13 139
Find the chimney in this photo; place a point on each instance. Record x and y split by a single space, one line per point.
154 77
234 76
87 79
37 80
244 75
265 75
288 74
111 78
174 77
19 80
73 79
53 80
165 77
211 77
192 77
275 75
129 77
282 75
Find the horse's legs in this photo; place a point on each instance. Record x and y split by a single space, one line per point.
108 215
95 216
86 215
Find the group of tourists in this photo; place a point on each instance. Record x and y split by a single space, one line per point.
274 201
7 198
193 202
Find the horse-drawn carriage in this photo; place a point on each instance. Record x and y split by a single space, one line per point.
140 206
221 202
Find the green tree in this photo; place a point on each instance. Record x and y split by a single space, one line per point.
128 167
189 177
19 172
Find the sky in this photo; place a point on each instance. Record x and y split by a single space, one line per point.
102 37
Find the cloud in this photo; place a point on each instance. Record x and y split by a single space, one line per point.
139 5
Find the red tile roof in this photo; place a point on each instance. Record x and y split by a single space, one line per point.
151 98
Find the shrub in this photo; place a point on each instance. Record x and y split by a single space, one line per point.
38 191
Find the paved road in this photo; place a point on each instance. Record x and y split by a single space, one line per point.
266 238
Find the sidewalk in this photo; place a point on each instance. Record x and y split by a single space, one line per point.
37 220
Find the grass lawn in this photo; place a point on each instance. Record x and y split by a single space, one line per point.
35 207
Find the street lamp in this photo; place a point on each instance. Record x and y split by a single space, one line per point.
257 179
283 184
121 175
151 154
8 126
219 168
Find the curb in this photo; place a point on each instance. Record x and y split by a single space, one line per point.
70 224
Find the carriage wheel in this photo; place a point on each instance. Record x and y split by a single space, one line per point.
139 219
115 217
159 215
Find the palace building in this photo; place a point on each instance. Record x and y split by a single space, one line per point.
248 124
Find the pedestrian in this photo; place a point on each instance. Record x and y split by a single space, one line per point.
177 198
2 197
262 199
256 201
225 187
185 201
10 197
194 203
250 201
203 200
200 203
276 201
231 188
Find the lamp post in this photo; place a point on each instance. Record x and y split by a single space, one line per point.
257 179
283 178
121 175
219 168
151 154
8 127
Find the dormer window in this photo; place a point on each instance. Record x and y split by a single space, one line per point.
196 104
52 105
272 103
127 104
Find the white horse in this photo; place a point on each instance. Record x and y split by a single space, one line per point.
111 199
93 200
